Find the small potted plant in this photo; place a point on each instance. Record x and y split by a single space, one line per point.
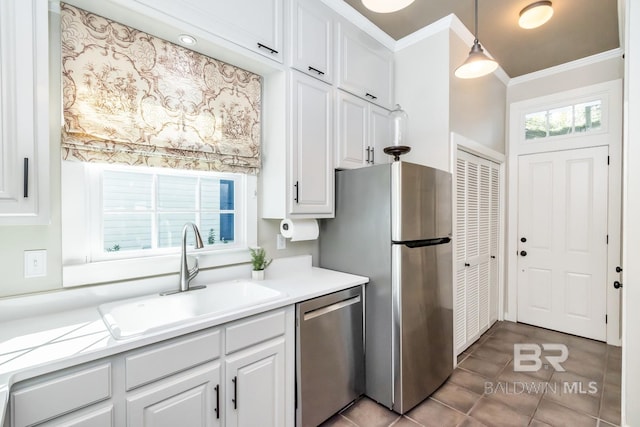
259 262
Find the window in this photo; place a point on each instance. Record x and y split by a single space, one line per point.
135 215
565 120
145 211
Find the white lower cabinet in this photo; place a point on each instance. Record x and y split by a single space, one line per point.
191 399
186 381
59 394
99 416
255 386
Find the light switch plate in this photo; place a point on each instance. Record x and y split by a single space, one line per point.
281 242
35 263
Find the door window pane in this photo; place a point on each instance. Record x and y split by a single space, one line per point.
536 125
560 121
588 116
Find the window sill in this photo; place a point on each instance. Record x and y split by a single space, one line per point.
126 269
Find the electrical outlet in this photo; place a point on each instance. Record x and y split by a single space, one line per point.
35 263
281 242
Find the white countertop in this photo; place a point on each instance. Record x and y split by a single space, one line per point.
36 345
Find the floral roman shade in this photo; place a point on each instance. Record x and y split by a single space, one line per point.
135 99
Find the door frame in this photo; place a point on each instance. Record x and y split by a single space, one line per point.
610 135
459 142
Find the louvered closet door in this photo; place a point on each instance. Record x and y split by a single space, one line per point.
477 236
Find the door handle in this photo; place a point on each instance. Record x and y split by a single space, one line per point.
217 389
523 253
235 392
617 284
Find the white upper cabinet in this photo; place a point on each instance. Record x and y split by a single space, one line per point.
363 130
365 66
312 39
311 187
254 24
24 112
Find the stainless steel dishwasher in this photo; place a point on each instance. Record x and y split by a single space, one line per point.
329 355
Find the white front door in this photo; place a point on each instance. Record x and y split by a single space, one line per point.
562 241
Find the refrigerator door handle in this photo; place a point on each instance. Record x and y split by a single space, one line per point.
425 242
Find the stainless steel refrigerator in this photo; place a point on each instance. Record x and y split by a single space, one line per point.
393 224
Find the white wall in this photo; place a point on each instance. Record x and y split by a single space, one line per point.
422 89
477 106
631 213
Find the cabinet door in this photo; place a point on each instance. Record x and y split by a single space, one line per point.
312 39
24 112
352 149
191 399
311 146
366 67
255 381
379 134
254 24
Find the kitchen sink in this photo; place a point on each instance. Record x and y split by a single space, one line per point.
137 316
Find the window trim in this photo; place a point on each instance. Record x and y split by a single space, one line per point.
78 269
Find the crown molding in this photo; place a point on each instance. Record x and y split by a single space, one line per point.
452 23
567 66
359 20
424 33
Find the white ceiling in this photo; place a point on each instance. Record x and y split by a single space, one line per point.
578 28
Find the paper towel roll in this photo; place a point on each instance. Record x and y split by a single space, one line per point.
300 229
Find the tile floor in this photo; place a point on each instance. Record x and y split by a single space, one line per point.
485 391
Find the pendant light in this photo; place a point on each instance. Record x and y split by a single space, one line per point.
478 63
386 6
535 14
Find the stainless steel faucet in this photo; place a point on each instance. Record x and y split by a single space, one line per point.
187 274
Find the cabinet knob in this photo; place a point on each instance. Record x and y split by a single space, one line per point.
617 284
523 253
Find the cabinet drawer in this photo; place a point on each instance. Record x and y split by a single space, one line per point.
94 417
58 396
168 358
254 330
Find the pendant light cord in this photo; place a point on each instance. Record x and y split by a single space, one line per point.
476 22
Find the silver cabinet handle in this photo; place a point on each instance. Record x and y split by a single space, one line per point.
329 308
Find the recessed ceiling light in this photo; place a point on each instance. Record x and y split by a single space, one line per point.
386 6
187 39
535 14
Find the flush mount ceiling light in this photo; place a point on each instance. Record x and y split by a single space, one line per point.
187 39
478 63
386 6
535 14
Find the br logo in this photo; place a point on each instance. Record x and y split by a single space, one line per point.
528 357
